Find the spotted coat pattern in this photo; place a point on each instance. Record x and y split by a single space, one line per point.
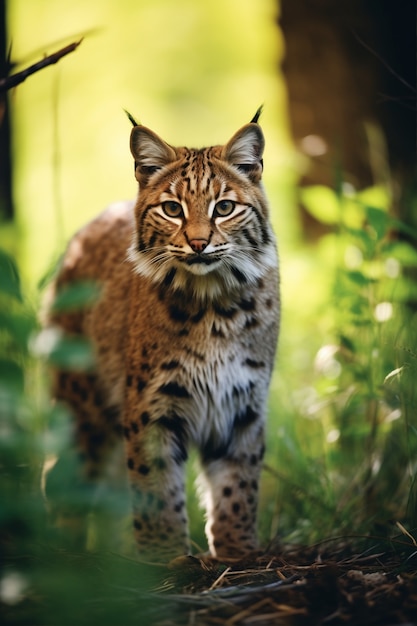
184 333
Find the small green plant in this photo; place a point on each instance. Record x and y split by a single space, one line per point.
346 460
373 413
20 450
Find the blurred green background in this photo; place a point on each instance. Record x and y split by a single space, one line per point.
340 174
192 71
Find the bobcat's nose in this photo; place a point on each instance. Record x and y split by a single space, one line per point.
198 245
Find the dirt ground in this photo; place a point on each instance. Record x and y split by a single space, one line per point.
327 584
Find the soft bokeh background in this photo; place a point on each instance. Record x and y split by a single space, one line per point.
192 71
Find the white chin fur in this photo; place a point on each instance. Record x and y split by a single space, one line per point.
200 269
206 281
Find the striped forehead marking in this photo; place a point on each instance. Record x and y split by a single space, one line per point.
196 173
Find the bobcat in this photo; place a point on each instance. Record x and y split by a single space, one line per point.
184 335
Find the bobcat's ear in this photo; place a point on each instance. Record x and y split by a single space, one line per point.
150 152
245 150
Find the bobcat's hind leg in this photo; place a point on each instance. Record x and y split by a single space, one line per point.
74 484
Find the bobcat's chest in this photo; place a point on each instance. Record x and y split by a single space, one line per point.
207 364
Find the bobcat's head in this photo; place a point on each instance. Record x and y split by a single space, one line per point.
201 215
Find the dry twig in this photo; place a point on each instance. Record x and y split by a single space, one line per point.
11 81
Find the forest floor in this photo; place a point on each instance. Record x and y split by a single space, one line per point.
303 587
330 584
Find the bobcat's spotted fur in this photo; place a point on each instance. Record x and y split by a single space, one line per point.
184 334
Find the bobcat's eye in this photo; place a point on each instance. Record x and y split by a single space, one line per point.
172 209
224 208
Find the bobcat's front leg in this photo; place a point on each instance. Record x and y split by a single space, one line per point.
231 498
155 452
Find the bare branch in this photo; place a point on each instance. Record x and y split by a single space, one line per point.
19 77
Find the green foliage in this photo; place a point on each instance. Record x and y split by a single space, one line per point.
44 580
72 297
346 452
21 506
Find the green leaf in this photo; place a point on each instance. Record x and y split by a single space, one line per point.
321 202
11 375
347 343
377 196
364 240
379 220
17 327
72 353
359 278
9 277
76 296
402 251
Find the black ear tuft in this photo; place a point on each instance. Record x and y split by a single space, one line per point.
131 118
257 115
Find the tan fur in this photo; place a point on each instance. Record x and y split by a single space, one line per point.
184 334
